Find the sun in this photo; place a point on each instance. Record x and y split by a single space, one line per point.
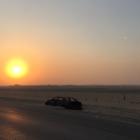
16 68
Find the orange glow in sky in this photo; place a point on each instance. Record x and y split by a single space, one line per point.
16 68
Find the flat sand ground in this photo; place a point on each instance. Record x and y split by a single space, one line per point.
124 102
32 120
23 115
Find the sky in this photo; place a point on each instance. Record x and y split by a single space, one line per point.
71 41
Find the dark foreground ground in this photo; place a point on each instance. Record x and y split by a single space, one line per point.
22 120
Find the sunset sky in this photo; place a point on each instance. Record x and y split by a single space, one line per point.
71 41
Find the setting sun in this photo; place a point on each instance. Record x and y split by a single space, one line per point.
16 68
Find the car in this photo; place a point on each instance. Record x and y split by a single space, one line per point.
66 102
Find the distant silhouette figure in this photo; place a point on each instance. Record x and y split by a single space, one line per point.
124 98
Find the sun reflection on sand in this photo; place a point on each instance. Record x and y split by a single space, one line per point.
14 116
10 129
11 133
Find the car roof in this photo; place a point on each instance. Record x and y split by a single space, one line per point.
66 98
